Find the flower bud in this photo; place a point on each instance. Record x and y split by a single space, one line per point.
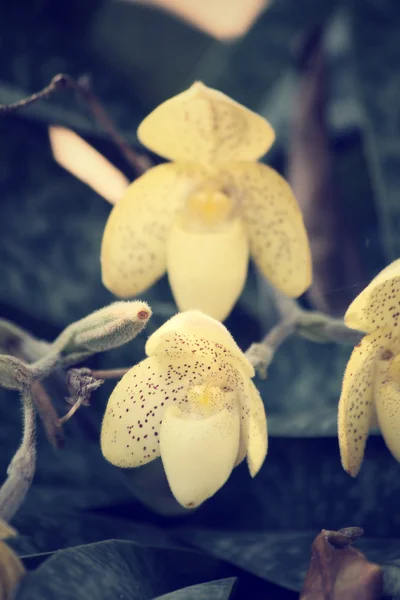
108 328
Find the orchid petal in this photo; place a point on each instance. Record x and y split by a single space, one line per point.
387 402
207 270
378 305
204 125
254 431
198 335
278 239
87 164
198 454
257 447
130 428
133 253
356 408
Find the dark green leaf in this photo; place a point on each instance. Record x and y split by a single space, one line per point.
391 579
116 569
281 558
375 26
215 590
63 530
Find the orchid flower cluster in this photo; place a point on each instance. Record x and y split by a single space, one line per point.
371 385
200 217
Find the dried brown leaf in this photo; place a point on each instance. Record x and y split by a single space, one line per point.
338 571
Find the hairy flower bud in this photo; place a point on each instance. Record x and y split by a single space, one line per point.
107 328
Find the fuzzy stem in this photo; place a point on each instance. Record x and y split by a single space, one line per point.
311 325
45 365
21 469
260 355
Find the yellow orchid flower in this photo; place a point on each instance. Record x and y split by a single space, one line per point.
201 216
192 402
371 385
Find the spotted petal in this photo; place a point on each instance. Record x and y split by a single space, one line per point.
199 454
195 334
204 125
387 402
278 239
356 404
130 428
133 252
378 305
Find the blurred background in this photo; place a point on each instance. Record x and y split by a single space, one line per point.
326 74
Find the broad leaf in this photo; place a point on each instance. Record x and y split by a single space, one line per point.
217 590
116 569
281 558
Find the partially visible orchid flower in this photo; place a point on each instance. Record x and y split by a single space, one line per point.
371 385
202 216
193 403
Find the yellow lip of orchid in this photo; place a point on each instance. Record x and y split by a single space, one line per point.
201 217
192 402
371 384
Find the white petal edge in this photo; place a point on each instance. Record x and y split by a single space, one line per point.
78 157
198 454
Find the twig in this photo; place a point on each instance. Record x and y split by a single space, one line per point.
106 328
46 411
140 163
48 415
22 467
260 355
81 384
77 404
110 373
312 325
